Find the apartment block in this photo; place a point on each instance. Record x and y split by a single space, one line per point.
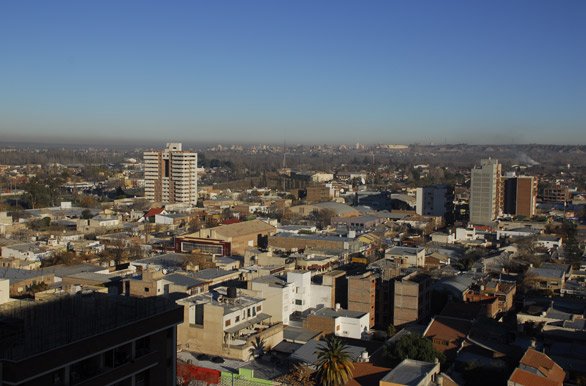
485 192
411 299
225 322
171 175
362 294
436 200
520 196
90 339
556 194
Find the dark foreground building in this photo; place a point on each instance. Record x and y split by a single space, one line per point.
90 339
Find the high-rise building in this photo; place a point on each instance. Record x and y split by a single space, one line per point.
436 200
520 196
485 192
89 339
170 175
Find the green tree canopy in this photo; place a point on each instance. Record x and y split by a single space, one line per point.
412 347
334 366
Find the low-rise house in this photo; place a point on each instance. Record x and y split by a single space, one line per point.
443 238
23 280
26 251
315 263
502 292
226 323
308 353
411 372
351 324
548 277
550 242
536 368
11 262
407 256
155 283
447 334
215 276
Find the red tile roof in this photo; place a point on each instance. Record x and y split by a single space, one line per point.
153 211
537 369
367 374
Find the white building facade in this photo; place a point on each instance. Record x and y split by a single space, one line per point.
171 175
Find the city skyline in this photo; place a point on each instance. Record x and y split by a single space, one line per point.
304 72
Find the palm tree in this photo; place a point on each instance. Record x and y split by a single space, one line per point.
334 366
258 349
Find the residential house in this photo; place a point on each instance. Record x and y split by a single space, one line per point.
340 322
536 368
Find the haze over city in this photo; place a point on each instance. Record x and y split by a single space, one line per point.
303 71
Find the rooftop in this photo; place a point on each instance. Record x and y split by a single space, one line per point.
333 313
31 328
405 250
217 298
212 273
409 372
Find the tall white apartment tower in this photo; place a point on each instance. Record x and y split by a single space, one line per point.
170 175
486 198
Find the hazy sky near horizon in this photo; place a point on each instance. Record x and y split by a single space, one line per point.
497 71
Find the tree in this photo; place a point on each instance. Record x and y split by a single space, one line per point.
412 346
322 217
258 349
86 214
334 366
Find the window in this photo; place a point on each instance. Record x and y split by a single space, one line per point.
237 319
146 289
227 323
258 308
298 302
248 312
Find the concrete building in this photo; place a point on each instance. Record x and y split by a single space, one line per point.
436 200
485 192
412 373
407 256
26 251
307 295
171 175
362 294
90 339
556 194
241 236
411 299
225 323
340 322
278 295
520 196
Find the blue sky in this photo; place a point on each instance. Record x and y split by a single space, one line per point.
497 71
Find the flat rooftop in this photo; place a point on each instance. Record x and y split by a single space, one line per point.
30 328
409 372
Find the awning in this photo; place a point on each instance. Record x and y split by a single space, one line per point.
248 323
